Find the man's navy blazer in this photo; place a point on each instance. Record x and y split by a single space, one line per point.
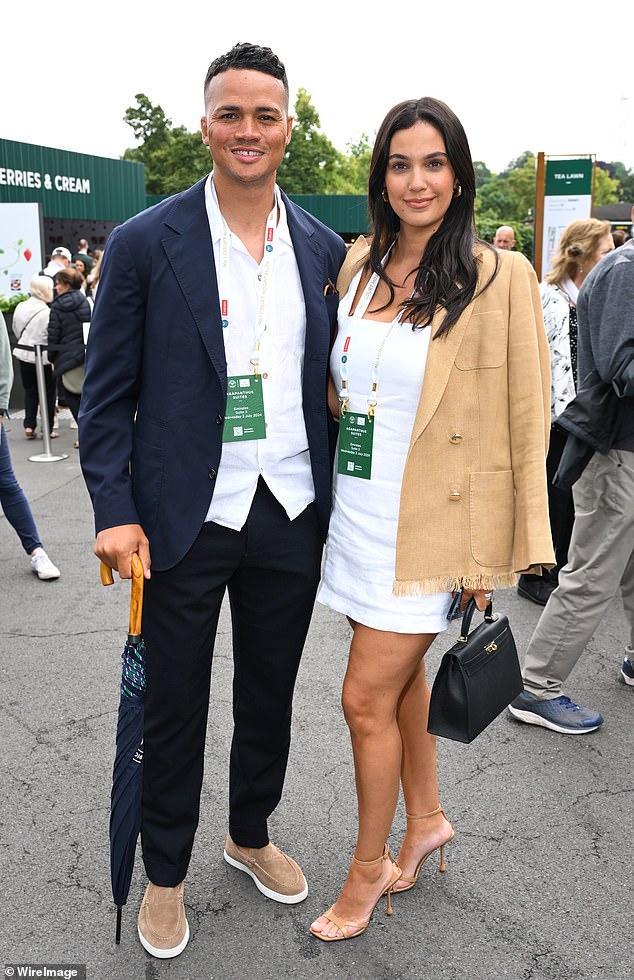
154 394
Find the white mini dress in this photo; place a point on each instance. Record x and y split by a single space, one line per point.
359 565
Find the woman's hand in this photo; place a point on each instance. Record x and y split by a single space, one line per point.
482 598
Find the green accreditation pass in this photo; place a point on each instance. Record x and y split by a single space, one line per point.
244 416
356 433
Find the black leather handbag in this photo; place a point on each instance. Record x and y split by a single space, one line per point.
477 678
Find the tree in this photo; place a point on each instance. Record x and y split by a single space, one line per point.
311 163
174 158
606 188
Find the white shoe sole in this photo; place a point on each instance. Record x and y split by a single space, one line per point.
532 719
164 954
276 896
627 680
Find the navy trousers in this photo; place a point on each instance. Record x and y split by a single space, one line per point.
270 570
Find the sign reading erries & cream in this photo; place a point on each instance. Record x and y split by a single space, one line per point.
70 185
29 178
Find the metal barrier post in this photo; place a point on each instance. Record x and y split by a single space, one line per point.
47 456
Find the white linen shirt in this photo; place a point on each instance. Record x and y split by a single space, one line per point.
282 459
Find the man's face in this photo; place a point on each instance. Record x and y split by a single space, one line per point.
246 125
504 238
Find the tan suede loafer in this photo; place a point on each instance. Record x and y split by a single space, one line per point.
163 927
275 874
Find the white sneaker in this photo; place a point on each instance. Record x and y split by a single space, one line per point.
42 565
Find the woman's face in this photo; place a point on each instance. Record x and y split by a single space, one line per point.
606 244
79 265
61 287
419 179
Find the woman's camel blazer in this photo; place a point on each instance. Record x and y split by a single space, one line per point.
474 502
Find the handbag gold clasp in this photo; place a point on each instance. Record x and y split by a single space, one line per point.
491 647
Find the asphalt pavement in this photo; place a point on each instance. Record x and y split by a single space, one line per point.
539 882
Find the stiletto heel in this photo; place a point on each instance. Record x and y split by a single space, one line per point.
360 925
412 879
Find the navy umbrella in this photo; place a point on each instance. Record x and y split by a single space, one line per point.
127 776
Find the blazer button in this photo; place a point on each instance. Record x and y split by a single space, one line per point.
219 419
455 437
212 474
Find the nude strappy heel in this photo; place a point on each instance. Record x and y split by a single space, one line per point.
360 925
411 880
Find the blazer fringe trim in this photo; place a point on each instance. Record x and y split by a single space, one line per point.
428 586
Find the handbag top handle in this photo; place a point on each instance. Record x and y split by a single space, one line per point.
468 616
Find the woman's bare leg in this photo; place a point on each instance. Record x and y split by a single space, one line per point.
379 669
419 775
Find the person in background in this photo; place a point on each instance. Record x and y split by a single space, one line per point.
504 238
79 263
30 326
69 311
92 280
206 447
441 369
601 553
60 259
12 499
583 243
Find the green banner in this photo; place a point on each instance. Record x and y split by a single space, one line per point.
568 177
70 185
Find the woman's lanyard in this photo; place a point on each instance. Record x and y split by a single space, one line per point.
264 278
364 302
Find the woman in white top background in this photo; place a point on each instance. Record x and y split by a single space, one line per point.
583 243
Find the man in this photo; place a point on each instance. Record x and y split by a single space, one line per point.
504 238
60 259
601 553
206 444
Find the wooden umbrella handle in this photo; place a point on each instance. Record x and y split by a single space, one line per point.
136 596
136 593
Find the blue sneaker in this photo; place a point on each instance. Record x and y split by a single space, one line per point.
627 672
558 714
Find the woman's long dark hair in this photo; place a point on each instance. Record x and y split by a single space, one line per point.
447 276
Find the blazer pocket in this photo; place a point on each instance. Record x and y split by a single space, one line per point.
492 517
484 343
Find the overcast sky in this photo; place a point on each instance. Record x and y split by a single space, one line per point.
541 76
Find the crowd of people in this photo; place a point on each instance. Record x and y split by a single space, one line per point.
308 368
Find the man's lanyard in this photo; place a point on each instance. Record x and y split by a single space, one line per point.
264 278
363 304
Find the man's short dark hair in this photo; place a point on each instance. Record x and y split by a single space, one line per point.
252 57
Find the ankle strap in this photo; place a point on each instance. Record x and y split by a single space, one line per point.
384 857
421 816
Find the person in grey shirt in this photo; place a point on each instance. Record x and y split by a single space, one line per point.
601 554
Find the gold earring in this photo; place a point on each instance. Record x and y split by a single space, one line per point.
384 196
457 189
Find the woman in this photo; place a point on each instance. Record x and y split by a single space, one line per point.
69 311
582 244
30 325
441 359
12 499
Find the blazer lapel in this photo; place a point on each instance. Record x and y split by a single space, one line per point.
440 360
188 246
310 263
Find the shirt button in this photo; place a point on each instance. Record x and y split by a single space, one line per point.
212 474
455 437
454 494
265 375
219 419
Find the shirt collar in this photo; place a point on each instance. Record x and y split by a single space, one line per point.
215 216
